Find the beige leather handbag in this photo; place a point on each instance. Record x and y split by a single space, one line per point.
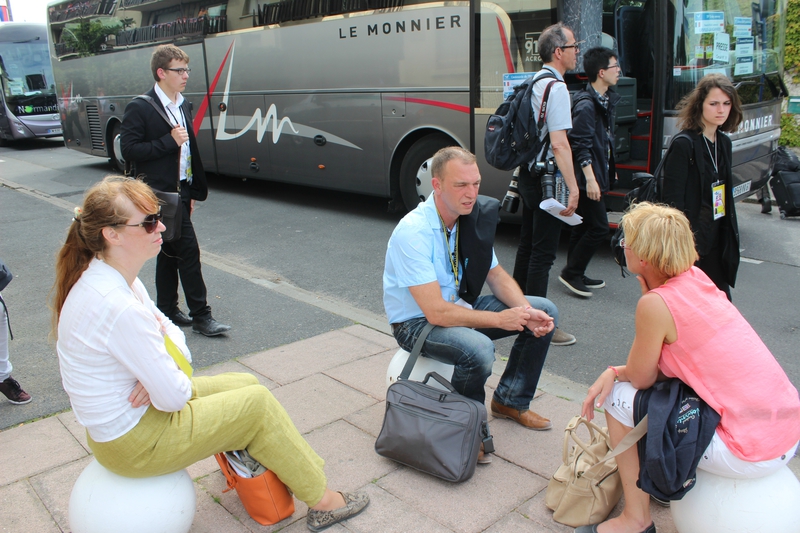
585 489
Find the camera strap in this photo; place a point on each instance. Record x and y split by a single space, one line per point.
543 114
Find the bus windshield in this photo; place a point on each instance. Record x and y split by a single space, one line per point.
27 78
742 40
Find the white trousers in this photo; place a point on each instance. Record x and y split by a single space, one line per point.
717 459
5 364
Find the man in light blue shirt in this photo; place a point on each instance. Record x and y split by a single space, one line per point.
420 285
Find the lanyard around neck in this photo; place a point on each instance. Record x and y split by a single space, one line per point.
714 156
177 122
452 258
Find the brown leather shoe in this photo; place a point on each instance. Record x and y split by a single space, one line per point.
527 418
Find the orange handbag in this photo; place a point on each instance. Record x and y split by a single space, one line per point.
265 498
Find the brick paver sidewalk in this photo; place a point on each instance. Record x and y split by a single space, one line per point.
333 386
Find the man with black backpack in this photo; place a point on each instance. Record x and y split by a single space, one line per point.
541 231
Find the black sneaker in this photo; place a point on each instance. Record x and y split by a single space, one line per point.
10 387
575 285
593 283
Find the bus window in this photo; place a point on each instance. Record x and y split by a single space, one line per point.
740 40
509 32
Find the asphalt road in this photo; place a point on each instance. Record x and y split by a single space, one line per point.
284 263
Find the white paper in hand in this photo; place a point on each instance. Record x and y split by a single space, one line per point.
554 207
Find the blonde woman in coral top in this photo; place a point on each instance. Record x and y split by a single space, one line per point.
687 329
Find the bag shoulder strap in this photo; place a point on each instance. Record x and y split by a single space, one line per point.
152 102
659 172
628 440
226 470
543 108
412 359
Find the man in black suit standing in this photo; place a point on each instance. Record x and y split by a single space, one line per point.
165 154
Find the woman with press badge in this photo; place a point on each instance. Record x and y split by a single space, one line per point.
698 178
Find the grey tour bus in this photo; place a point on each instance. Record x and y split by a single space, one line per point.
28 105
356 95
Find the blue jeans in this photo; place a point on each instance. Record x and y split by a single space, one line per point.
471 351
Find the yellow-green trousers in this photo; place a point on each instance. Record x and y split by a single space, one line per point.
226 412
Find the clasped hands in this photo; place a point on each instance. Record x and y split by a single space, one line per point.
518 318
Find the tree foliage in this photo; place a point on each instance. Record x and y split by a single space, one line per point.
790 130
790 127
89 36
791 59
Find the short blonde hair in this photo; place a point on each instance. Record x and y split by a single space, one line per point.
447 154
660 235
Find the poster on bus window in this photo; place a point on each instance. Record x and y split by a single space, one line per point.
709 22
744 46
512 80
744 65
722 43
742 27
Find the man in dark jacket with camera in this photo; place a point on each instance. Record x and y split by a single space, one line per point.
592 141
165 155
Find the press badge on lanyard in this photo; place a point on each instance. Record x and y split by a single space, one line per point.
452 256
718 199
718 186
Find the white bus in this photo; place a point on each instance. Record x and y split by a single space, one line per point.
28 105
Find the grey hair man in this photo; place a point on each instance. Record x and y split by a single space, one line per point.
540 231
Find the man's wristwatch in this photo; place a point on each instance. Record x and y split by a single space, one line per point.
586 163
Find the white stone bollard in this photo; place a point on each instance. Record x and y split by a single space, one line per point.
421 369
724 505
102 501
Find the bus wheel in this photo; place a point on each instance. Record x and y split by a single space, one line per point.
415 171
115 150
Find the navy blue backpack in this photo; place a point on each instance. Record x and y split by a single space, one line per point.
680 426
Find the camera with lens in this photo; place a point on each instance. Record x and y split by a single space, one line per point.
511 200
547 171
